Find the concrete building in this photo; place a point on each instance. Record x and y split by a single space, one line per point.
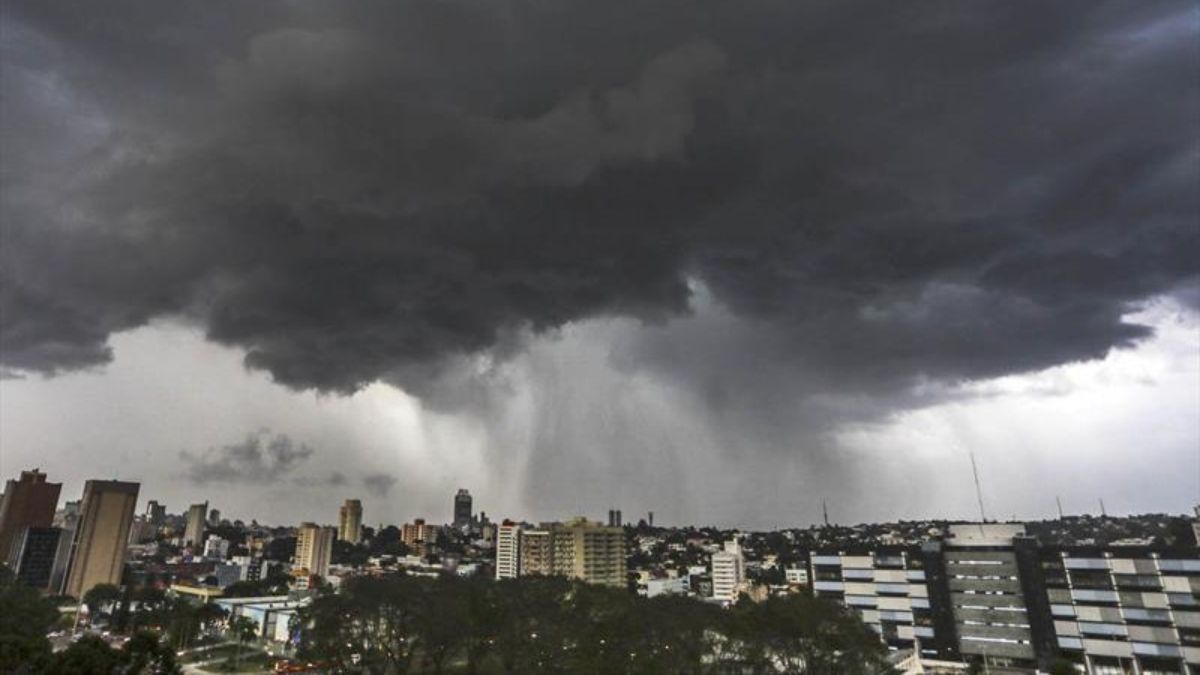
314 546
216 548
614 518
589 551
728 572
462 509
193 533
537 553
214 517
98 549
350 521
29 501
417 532
508 551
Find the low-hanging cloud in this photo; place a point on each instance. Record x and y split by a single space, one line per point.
260 458
874 198
379 484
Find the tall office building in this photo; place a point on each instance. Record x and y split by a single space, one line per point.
193 534
34 555
462 509
537 554
27 502
314 546
589 551
155 513
728 572
350 521
508 550
98 549
214 517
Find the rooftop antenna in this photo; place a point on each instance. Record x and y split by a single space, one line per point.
1103 513
978 489
825 512
1059 502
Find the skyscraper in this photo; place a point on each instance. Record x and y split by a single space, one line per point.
214 517
350 521
98 549
27 502
34 554
314 545
462 509
193 535
589 551
508 550
614 518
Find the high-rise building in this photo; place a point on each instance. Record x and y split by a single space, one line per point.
27 502
314 546
350 521
34 555
589 551
508 550
462 509
214 517
728 572
98 549
155 513
193 534
537 553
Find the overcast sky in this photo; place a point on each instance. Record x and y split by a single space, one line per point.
716 260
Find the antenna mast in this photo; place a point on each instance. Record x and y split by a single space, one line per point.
825 512
978 489
1059 502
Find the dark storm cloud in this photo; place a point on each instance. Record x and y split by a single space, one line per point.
882 194
260 457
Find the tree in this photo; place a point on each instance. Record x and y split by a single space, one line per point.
88 655
1062 667
145 653
243 629
25 617
100 597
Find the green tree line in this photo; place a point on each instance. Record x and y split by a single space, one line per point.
400 624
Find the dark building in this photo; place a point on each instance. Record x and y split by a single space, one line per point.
35 552
27 502
614 518
155 513
462 509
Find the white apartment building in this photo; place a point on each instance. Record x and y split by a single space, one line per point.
508 551
728 572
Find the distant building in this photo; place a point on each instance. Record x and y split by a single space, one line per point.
589 551
216 548
614 518
155 513
537 553
462 509
98 550
314 547
728 572
796 576
667 586
508 551
214 517
350 521
27 502
417 532
193 534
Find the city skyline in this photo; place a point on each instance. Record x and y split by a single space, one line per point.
722 264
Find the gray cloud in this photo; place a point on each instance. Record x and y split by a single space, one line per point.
379 484
261 457
872 199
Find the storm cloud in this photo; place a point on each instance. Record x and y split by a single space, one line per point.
859 202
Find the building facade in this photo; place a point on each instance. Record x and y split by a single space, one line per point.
508 550
193 533
537 553
462 509
98 549
589 551
29 501
728 572
991 595
350 521
35 554
314 548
